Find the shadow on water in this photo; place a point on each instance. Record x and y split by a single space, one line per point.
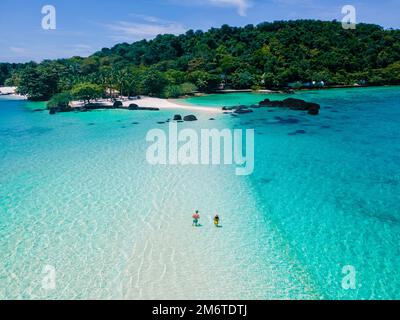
31 132
357 206
288 120
265 180
297 132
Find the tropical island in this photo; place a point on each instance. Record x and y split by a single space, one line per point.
85 212
282 55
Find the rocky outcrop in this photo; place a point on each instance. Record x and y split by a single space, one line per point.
293 104
190 118
148 109
135 107
55 110
177 117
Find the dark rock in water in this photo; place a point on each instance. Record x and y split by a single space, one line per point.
314 109
228 108
161 122
232 108
238 109
242 110
54 110
190 118
177 117
287 121
288 91
265 103
211 119
91 124
96 106
265 180
293 104
133 106
297 132
135 122
117 104
38 110
180 121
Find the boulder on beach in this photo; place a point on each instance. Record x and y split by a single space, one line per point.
190 118
117 104
177 117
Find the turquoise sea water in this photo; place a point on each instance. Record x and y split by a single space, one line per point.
77 194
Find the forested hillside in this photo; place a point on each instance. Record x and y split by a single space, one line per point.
268 55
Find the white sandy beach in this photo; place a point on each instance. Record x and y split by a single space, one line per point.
10 92
163 104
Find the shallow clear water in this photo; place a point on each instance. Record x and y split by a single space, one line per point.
333 191
78 194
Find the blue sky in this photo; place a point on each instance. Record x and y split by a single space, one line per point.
86 26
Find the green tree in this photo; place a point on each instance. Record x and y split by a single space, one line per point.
153 83
87 92
37 83
60 100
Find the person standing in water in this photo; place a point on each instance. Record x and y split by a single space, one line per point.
216 220
196 218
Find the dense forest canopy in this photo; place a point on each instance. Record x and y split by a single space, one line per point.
269 55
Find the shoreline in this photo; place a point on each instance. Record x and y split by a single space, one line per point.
271 91
150 102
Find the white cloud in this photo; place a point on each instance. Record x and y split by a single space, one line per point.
18 50
241 5
146 28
